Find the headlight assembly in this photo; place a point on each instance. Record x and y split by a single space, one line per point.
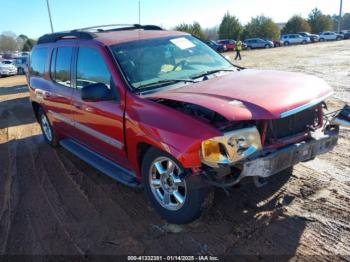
232 147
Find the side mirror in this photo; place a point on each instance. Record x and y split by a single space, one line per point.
96 92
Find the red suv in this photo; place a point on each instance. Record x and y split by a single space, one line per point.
162 110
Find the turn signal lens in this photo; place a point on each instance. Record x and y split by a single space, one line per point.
211 150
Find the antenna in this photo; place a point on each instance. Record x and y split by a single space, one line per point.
48 10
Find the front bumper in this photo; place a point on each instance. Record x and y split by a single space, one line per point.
281 159
269 163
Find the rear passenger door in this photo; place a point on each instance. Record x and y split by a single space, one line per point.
99 125
58 99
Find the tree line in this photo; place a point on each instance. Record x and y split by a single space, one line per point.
10 42
229 28
264 27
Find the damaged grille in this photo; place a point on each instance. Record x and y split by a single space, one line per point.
293 125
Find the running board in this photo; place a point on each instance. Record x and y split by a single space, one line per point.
99 162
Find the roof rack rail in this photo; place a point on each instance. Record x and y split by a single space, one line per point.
120 27
97 27
49 38
85 33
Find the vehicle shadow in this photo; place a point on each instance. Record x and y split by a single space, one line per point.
58 195
255 219
15 112
11 90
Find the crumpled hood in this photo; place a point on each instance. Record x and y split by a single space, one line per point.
252 94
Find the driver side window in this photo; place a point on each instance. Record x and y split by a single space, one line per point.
92 69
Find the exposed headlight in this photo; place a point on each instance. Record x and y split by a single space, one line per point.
232 147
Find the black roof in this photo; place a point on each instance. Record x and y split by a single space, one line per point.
89 33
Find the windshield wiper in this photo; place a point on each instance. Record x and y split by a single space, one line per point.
211 72
165 82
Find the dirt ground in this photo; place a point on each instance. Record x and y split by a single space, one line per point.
53 203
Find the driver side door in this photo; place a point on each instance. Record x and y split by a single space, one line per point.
99 124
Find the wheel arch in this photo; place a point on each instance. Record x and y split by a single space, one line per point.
36 106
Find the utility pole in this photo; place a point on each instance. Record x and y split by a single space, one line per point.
340 11
139 12
48 9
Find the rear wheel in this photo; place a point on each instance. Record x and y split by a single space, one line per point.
46 128
176 198
321 39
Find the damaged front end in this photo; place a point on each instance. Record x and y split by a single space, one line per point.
270 146
262 148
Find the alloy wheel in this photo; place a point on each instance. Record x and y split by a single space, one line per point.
46 127
166 185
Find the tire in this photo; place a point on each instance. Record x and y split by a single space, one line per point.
20 71
321 39
186 197
249 48
267 46
46 128
338 38
304 42
286 43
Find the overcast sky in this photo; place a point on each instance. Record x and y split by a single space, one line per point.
30 16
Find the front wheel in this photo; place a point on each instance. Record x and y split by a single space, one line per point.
286 43
177 198
267 46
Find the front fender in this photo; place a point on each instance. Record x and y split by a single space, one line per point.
147 122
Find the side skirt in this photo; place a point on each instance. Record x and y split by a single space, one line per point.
102 164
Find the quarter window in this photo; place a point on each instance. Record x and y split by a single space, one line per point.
61 65
38 61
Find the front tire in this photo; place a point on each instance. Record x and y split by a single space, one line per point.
46 128
177 199
286 43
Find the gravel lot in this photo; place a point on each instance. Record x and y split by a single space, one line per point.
53 203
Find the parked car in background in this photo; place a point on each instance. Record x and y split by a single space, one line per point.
7 68
229 43
24 53
313 37
346 34
326 36
291 39
22 64
217 47
258 43
277 43
10 55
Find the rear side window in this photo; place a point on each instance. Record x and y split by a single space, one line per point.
38 61
91 69
60 69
